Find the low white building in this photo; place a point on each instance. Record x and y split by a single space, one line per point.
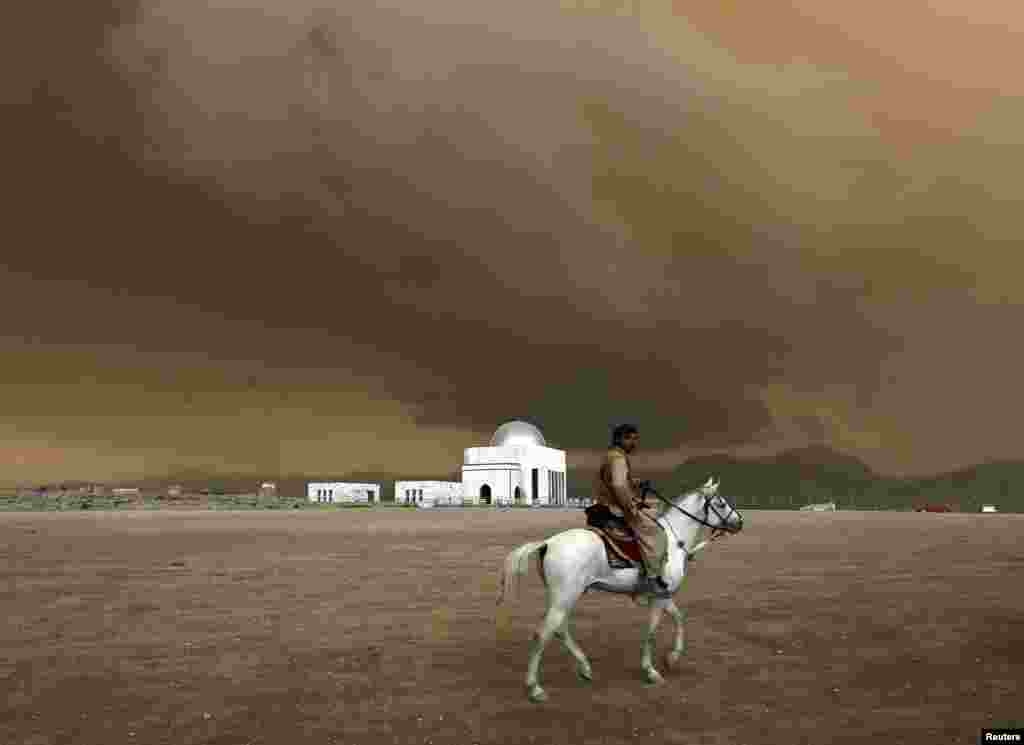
989 508
329 492
823 507
428 493
517 467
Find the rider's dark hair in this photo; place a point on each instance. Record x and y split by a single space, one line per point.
621 431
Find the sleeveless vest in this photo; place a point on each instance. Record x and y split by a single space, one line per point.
603 491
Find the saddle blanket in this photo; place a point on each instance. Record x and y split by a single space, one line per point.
621 550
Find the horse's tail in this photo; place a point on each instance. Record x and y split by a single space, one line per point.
518 563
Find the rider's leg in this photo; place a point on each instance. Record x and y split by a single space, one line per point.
651 542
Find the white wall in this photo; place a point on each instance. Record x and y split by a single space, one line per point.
428 492
505 468
330 492
502 481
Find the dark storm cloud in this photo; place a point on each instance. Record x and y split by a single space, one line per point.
446 247
481 212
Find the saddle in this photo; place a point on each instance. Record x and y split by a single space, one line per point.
619 542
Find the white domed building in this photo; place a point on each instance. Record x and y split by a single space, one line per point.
517 467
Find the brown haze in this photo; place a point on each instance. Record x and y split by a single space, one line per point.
278 237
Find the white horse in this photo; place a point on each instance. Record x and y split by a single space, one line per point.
574 561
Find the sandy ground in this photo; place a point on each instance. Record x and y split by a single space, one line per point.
380 627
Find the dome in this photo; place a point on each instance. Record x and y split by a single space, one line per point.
517 433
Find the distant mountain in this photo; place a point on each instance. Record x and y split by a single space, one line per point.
998 482
811 456
820 474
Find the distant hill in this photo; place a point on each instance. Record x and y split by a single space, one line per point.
994 482
821 474
811 474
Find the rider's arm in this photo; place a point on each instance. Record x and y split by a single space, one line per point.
621 485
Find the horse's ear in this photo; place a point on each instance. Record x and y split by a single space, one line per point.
710 482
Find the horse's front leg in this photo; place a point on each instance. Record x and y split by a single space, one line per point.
582 663
679 642
651 675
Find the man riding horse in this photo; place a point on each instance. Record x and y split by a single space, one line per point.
622 495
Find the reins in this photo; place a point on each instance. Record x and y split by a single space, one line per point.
670 503
707 506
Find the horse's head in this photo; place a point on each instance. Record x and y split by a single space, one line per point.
713 510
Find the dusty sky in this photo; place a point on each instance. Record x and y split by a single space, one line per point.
279 237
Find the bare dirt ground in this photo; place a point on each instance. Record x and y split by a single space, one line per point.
380 627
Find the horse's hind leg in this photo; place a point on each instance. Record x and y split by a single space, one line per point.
552 622
679 641
651 675
563 571
582 663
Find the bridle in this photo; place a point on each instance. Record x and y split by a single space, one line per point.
709 507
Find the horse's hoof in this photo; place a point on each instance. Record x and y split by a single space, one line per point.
536 694
584 674
653 677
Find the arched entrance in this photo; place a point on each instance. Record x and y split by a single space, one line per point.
485 494
518 495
